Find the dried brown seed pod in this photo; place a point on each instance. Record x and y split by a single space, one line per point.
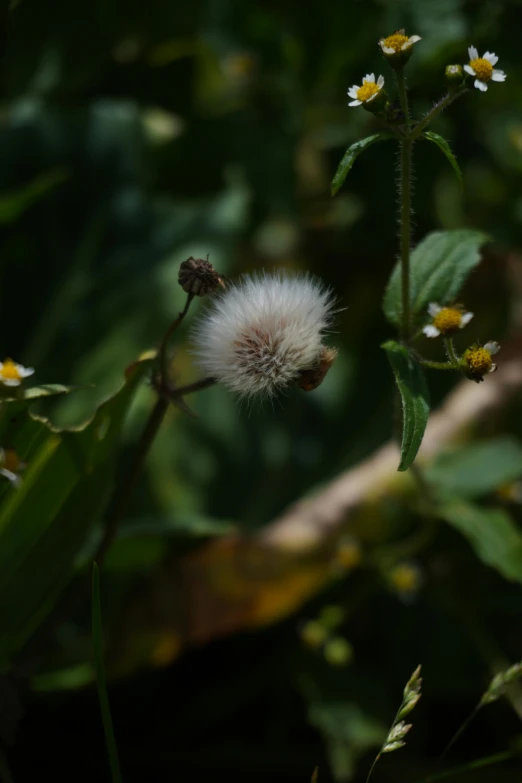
310 379
198 277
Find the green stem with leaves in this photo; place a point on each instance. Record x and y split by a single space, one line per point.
436 110
405 175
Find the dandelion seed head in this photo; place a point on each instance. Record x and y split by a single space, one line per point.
261 333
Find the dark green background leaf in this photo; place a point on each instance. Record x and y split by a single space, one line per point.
492 534
414 397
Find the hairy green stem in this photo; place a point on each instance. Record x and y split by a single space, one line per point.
405 173
450 350
437 365
436 110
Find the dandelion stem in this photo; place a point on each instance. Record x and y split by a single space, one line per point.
405 172
180 391
165 342
436 110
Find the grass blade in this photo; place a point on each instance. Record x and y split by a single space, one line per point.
99 665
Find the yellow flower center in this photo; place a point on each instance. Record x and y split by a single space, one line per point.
10 460
483 69
447 320
478 360
367 91
395 41
10 372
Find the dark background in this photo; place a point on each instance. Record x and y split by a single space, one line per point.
134 135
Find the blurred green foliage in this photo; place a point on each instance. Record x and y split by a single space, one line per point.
134 135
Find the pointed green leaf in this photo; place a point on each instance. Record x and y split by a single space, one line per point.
351 154
445 148
44 523
439 265
492 534
414 397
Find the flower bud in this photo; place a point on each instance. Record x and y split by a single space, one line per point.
398 48
198 277
454 76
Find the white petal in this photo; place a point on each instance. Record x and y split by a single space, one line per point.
368 100
25 372
466 318
370 77
498 76
10 381
481 85
387 49
16 480
492 347
491 58
414 38
355 103
492 368
431 331
434 308
352 92
469 69
473 53
380 82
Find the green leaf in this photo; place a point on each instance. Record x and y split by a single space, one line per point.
476 469
492 534
439 266
45 522
101 680
445 148
351 154
414 397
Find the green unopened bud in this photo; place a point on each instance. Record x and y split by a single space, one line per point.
454 75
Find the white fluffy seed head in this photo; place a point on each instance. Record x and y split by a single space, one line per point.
261 333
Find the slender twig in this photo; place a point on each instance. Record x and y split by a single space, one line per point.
497 758
436 110
163 351
190 388
459 732
405 173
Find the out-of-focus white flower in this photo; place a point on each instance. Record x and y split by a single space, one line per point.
11 466
445 320
482 68
367 92
262 333
12 374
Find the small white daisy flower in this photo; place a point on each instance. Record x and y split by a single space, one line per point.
482 68
478 362
12 374
367 92
261 334
398 42
11 466
445 320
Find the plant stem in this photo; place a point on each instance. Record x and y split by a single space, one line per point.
101 679
437 365
405 173
180 391
165 342
450 350
436 110
477 764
